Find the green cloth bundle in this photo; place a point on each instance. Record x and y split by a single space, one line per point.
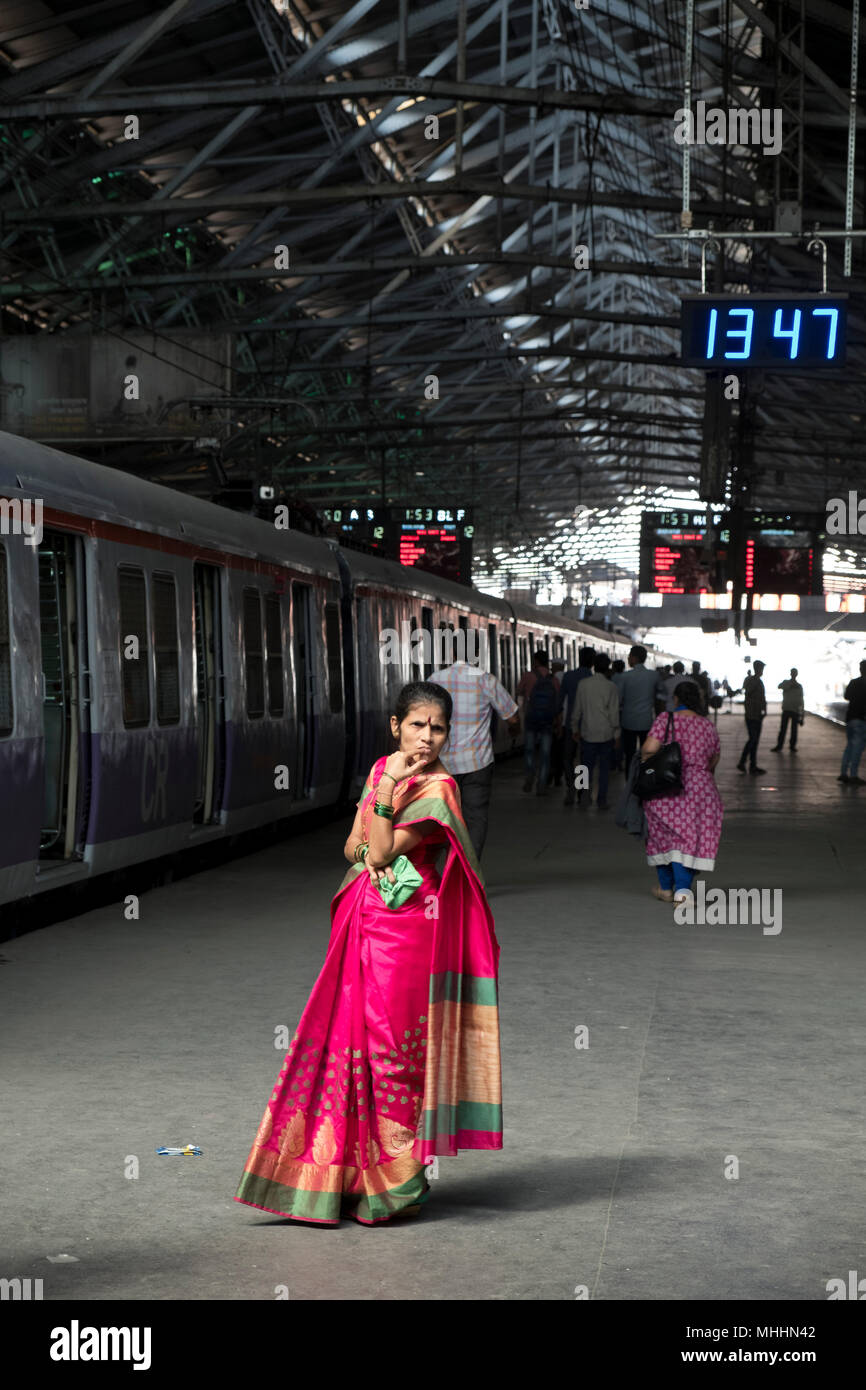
408 878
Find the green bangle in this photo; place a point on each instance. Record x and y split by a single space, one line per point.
388 774
363 850
386 811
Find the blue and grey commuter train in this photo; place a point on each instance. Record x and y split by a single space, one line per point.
172 672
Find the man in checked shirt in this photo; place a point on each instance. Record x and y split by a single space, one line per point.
468 755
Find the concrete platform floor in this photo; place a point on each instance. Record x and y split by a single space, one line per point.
704 1043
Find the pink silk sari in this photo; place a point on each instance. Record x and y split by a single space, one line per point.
396 1056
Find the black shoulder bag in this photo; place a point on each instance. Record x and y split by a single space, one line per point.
662 773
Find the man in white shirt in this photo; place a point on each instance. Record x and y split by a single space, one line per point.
468 753
596 719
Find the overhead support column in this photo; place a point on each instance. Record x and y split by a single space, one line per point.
461 77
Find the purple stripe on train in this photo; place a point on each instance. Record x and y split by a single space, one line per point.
142 780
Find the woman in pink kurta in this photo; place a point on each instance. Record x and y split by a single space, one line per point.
684 830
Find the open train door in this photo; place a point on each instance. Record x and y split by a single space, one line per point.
66 697
209 707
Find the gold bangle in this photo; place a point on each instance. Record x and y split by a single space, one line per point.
389 774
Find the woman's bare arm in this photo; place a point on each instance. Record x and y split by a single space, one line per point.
648 747
404 840
355 838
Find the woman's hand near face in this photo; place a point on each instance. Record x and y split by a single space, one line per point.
400 765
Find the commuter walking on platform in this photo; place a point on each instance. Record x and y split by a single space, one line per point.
396 1056
469 757
702 681
683 831
792 711
617 675
567 697
541 721
596 719
557 751
528 679
855 729
754 708
637 712
667 686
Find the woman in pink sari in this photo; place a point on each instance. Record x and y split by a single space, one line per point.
396 1056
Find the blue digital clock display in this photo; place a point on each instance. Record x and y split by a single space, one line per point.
774 332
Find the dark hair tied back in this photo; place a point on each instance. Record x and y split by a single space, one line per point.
688 694
423 693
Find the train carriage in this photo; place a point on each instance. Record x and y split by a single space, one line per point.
172 672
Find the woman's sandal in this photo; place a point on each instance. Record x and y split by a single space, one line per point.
664 895
414 1210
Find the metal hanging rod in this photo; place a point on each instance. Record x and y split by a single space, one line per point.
700 234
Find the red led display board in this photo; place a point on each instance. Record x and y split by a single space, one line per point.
435 539
782 552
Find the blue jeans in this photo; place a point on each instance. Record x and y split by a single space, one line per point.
855 731
675 876
600 753
542 739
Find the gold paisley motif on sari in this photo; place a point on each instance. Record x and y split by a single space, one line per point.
374 1153
293 1136
325 1143
396 1139
263 1133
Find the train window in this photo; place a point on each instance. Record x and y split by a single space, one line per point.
492 653
165 650
427 624
134 654
416 651
505 662
274 641
5 651
254 661
335 665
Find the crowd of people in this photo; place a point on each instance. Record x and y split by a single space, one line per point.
598 716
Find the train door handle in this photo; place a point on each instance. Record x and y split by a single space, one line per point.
86 692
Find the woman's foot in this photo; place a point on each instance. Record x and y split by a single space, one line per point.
664 895
414 1210
682 895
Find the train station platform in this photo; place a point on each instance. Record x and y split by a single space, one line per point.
711 1049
